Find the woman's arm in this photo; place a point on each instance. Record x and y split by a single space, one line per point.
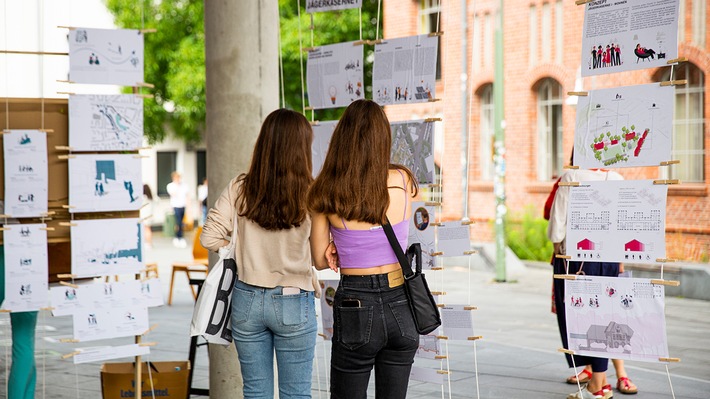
217 230
320 240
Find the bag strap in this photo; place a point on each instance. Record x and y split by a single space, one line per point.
392 238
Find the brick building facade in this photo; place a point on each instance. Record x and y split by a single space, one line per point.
542 46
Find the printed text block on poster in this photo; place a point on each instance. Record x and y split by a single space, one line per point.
26 173
26 267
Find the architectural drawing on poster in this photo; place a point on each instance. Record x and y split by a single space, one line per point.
330 5
422 231
429 347
413 147
454 239
111 182
328 288
26 173
617 221
404 70
95 324
624 127
457 322
105 123
106 246
103 353
618 318
628 35
106 56
322 133
334 75
26 267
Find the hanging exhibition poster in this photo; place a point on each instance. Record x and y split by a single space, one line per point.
322 133
105 122
327 297
26 173
103 353
106 246
66 300
454 239
421 230
26 267
429 347
106 56
413 147
95 324
111 182
331 5
616 318
628 35
617 221
404 70
334 75
624 127
457 322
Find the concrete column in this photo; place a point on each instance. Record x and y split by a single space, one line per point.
241 60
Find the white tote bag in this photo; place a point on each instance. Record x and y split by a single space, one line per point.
211 317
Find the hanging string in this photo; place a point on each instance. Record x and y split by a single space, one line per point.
281 69
7 79
40 11
300 55
377 28
327 370
662 271
8 334
43 350
475 369
150 378
470 112
76 380
668 373
312 28
448 367
445 85
574 366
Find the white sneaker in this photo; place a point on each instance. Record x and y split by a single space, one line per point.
585 394
183 243
176 242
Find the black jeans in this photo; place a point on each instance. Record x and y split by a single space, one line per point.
378 333
179 215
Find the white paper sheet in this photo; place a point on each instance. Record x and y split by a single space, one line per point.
326 305
457 322
331 5
103 353
624 127
413 147
426 375
617 318
628 35
453 239
26 267
26 175
106 295
66 301
105 123
617 221
322 133
95 324
106 56
404 70
111 182
421 231
334 75
429 346
106 246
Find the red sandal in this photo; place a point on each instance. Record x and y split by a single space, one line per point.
623 384
583 377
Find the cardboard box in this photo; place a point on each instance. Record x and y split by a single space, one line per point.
169 380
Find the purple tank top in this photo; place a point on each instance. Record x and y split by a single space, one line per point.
359 249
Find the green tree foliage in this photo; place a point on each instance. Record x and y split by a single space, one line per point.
527 236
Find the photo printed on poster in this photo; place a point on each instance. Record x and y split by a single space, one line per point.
26 173
404 70
628 35
616 318
624 127
105 122
106 246
334 75
322 133
331 5
26 267
413 147
106 56
617 221
421 230
111 182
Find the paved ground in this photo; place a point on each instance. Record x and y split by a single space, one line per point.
517 358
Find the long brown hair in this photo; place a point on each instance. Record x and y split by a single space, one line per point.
353 181
273 192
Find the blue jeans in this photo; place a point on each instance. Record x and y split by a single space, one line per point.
263 321
378 331
179 215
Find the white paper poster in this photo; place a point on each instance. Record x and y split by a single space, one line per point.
429 347
105 123
426 375
331 5
617 221
66 300
111 182
103 353
617 318
334 75
26 175
413 147
454 239
422 231
26 267
106 246
326 306
624 127
95 324
106 56
457 322
322 133
106 295
628 35
405 70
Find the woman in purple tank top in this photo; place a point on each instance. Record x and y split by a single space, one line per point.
356 192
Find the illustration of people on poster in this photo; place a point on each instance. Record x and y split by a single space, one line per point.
106 56
26 173
334 75
111 182
26 267
105 123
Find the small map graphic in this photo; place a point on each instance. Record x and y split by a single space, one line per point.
413 147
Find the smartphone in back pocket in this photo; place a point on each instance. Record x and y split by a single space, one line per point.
350 303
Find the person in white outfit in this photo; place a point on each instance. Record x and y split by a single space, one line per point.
178 192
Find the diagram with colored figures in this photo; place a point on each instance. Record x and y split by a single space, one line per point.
26 267
624 127
26 173
618 318
413 147
422 231
106 246
105 123
111 182
335 75
106 56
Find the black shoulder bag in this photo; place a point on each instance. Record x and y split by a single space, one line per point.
421 302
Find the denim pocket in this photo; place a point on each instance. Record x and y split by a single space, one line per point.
354 326
241 304
292 310
403 314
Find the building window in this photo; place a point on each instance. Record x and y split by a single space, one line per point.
699 22
477 45
559 27
428 16
688 125
546 24
485 98
167 164
488 40
549 130
532 37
